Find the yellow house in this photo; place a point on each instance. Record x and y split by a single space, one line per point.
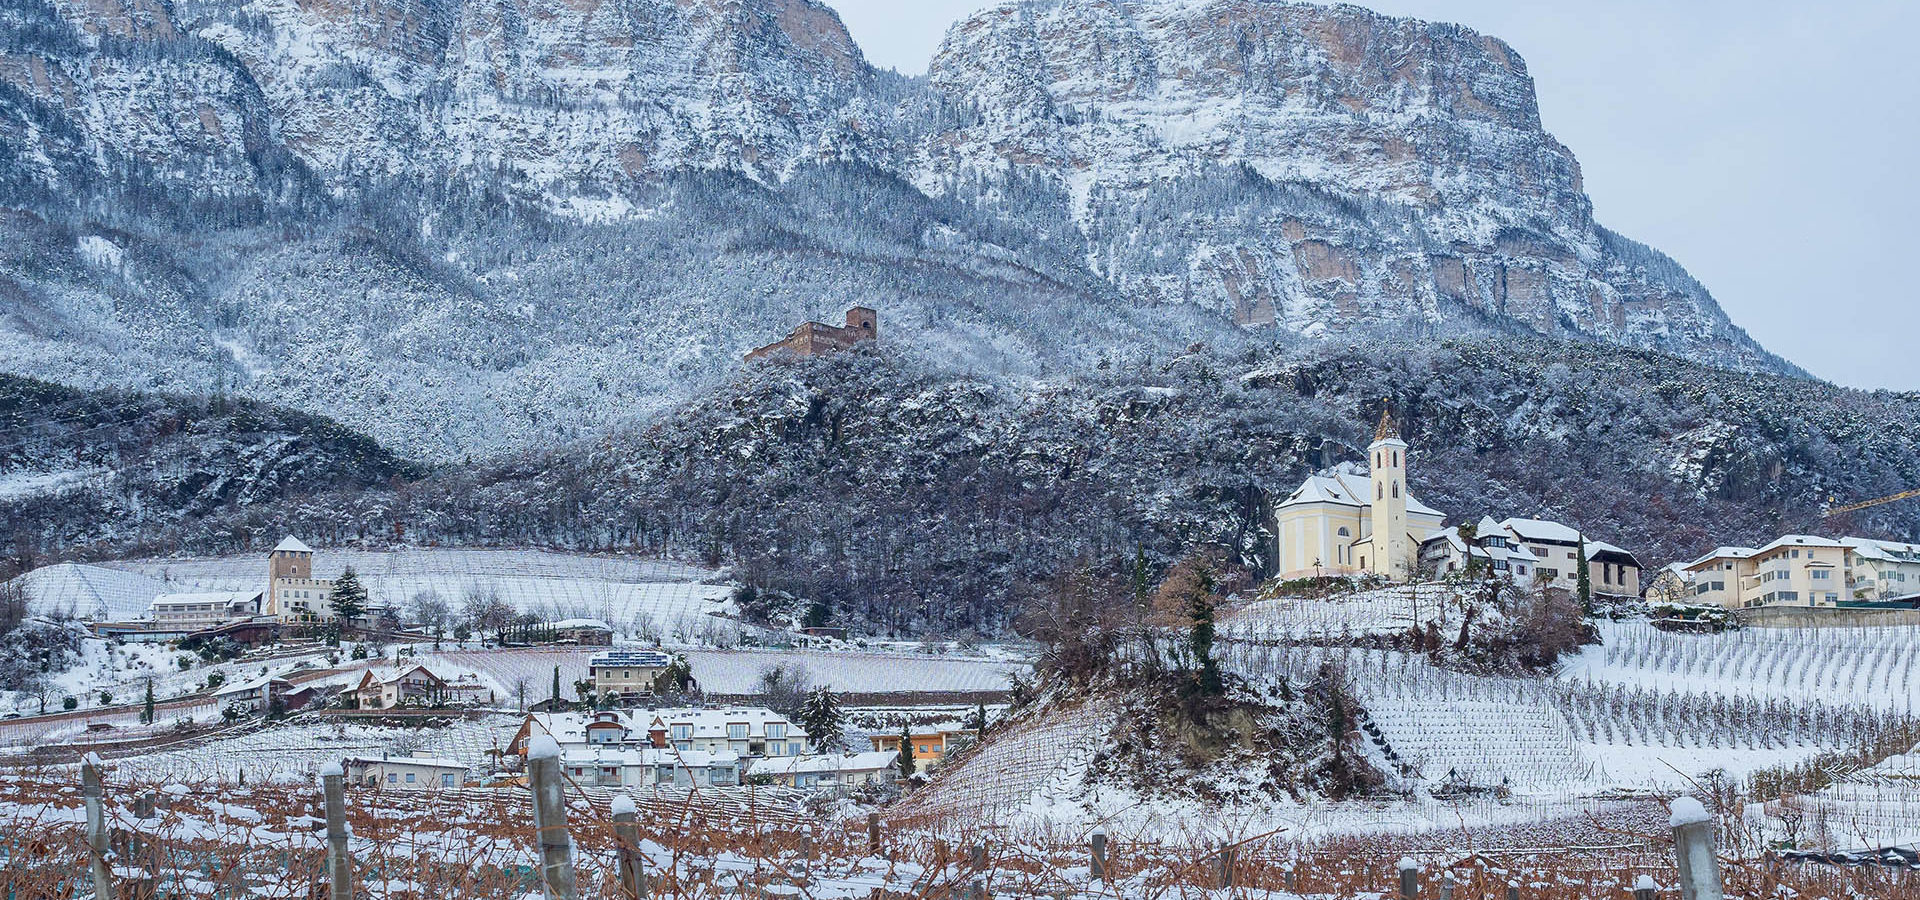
1796 570
1348 522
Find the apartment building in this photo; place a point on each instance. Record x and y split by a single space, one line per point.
1796 570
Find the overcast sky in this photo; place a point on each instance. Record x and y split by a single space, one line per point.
1768 146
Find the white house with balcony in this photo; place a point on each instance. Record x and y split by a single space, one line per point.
744 732
1798 570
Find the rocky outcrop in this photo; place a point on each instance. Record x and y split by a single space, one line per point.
1320 169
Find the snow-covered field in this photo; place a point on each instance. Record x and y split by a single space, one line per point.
629 593
290 753
1876 667
1390 610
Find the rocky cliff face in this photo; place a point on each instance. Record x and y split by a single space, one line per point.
467 226
1319 169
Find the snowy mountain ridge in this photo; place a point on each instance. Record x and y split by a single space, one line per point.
465 227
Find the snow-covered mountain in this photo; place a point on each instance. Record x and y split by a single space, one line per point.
464 227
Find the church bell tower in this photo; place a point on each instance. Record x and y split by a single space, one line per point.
1392 556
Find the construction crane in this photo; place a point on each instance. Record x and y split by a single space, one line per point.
1851 507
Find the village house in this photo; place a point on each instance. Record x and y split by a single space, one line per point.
747 732
1879 571
829 772
815 338
1489 546
929 745
194 611
584 632
1797 570
617 766
256 696
409 686
1535 551
627 674
406 773
1346 521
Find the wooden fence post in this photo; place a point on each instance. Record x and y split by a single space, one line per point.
1097 863
333 789
1693 851
550 818
1645 888
1223 866
1409 879
94 792
1447 883
873 834
626 829
1513 890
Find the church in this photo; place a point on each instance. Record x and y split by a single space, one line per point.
1346 521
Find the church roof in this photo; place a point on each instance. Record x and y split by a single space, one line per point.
1347 484
1389 430
291 544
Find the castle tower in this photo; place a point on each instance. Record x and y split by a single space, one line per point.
290 559
1388 455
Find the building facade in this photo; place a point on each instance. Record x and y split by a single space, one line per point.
411 686
928 746
293 594
1346 522
627 674
1797 570
746 732
194 611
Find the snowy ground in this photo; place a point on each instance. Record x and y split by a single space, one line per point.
639 597
292 753
1878 667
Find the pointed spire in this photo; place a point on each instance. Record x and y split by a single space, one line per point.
1388 430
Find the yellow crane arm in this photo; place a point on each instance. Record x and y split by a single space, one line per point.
1851 507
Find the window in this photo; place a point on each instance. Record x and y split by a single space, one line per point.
1796 554
446 779
1344 532
776 749
1822 575
1396 490
776 731
393 778
793 748
410 778
682 732
736 731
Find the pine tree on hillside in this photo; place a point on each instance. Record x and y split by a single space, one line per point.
905 762
146 711
349 598
1583 580
820 715
555 706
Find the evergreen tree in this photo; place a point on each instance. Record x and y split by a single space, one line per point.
349 598
1583 580
979 721
820 715
556 704
1200 636
146 711
905 762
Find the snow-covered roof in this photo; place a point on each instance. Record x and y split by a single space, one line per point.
1541 530
1459 545
1722 553
248 686
869 761
638 659
423 761
1883 551
391 675
1347 484
579 623
1801 540
291 544
1595 548
219 597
